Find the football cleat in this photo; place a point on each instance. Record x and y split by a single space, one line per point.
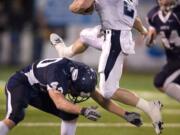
155 115
56 39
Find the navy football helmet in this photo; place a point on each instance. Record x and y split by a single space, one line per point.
83 82
167 5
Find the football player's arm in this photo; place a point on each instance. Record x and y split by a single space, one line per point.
131 117
81 6
108 104
149 39
62 103
138 25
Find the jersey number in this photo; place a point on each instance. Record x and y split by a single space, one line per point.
46 62
128 11
173 39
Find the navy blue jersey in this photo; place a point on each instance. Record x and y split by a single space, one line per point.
49 73
168 27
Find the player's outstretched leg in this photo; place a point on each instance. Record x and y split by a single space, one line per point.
151 108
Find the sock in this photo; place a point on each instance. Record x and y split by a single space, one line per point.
68 52
3 128
68 128
64 51
143 105
173 90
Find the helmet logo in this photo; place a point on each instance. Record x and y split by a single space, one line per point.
74 74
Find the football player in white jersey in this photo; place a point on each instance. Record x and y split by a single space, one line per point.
118 17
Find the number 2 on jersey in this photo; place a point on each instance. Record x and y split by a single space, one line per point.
128 11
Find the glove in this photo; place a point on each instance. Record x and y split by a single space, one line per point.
90 113
133 118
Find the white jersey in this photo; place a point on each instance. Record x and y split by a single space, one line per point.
117 14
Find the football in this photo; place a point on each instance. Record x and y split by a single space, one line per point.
90 9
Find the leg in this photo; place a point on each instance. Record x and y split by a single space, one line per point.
88 37
78 47
172 90
17 101
69 51
168 80
68 127
66 51
5 126
126 97
43 102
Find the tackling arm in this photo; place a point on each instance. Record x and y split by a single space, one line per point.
132 117
107 104
63 104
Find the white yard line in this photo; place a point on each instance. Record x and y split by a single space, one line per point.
93 125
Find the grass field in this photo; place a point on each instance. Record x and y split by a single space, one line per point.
39 123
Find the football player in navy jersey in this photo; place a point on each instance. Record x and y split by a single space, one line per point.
55 86
164 20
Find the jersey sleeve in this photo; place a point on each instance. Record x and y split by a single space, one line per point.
57 80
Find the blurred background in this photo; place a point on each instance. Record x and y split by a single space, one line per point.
25 26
